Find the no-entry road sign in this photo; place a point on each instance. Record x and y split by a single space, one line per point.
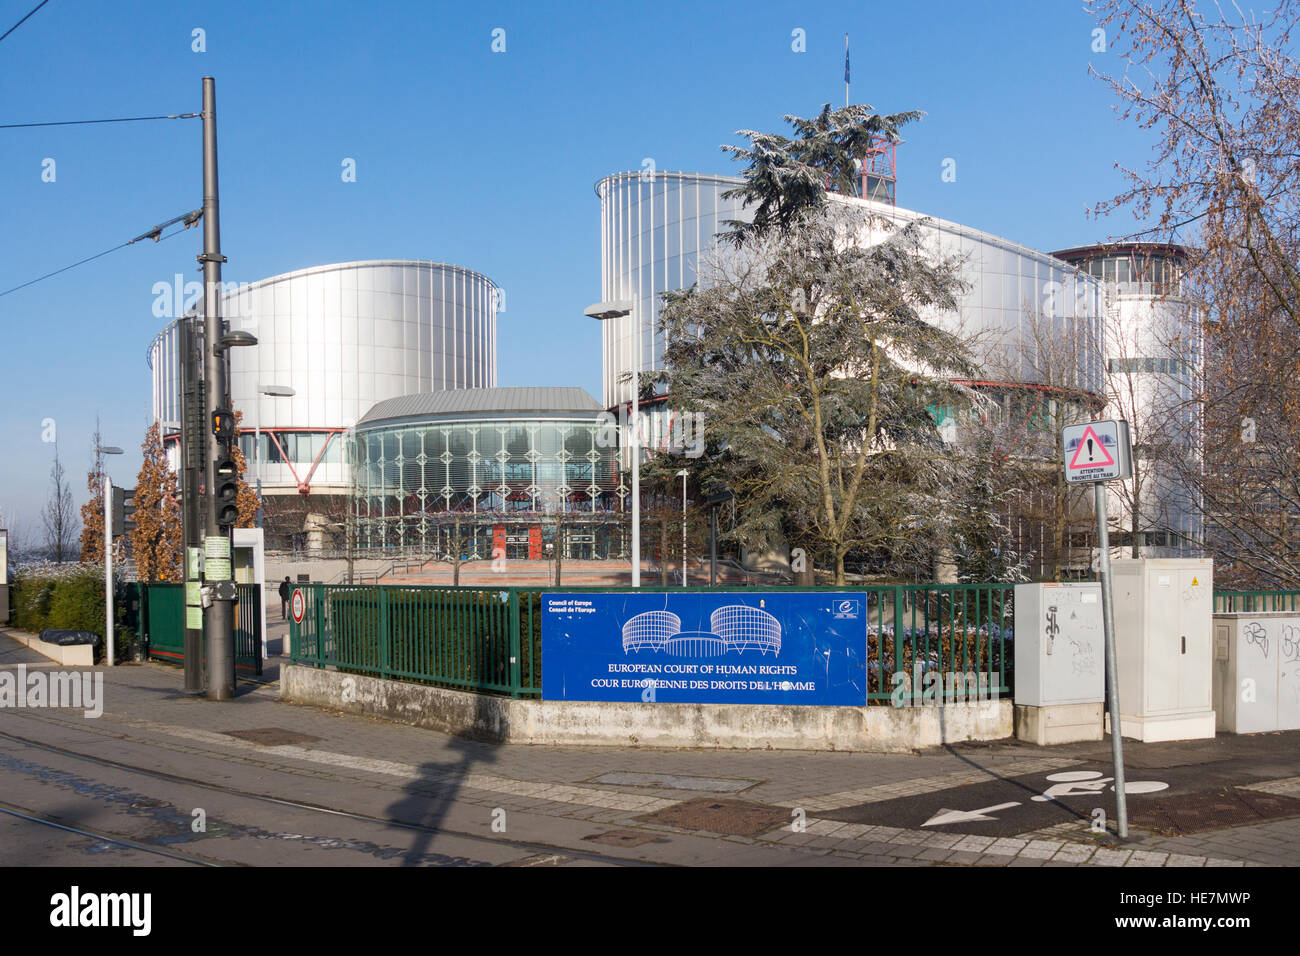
1097 451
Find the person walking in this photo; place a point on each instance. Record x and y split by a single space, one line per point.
284 598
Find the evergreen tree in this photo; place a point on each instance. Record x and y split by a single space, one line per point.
156 539
811 358
246 500
788 178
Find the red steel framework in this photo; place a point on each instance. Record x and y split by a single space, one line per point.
303 482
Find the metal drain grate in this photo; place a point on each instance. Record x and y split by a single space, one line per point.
731 817
1212 810
272 736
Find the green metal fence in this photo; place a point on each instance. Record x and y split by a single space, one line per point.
485 639
957 631
1255 601
490 639
163 624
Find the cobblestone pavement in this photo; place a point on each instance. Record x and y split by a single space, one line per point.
563 796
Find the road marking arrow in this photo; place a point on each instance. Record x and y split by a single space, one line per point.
965 816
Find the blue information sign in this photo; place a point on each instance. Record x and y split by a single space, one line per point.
800 647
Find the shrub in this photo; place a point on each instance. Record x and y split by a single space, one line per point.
78 604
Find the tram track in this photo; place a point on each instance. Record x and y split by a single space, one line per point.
31 816
300 805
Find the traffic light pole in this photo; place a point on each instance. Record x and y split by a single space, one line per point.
192 459
218 612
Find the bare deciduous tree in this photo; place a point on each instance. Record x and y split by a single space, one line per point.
59 516
1219 87
1058 360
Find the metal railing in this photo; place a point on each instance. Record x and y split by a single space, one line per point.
1226 602
955 631
489 639
483 639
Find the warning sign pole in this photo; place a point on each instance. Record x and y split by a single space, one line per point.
1099 452
1112 675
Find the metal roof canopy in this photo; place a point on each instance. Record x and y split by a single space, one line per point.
494 402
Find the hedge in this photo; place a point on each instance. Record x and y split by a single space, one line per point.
65 597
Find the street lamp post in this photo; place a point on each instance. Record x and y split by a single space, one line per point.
283 391
682 475
108 553
714 501
616 310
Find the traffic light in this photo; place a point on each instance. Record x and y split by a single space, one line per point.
123 511
223 424
227 491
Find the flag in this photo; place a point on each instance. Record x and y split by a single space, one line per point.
846 58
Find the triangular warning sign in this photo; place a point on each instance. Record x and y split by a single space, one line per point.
1092 451
1194 582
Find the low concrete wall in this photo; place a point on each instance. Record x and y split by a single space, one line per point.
726 726
71 655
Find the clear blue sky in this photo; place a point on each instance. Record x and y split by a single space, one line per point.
463 155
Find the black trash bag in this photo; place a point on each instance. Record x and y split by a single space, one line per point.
66 638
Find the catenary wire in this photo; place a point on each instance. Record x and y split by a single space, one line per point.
155 234
120 119
24 19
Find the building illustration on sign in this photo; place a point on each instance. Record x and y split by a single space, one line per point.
735 627
1094 445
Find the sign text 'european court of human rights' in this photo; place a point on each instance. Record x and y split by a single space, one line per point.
705 647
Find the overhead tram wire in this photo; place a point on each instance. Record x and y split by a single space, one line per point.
123 119
188 219
24 19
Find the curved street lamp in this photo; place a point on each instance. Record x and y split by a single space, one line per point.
275 391
604 311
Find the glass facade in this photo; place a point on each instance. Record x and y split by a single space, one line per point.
489 483
1136 272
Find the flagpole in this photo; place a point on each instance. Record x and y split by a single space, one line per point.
846 70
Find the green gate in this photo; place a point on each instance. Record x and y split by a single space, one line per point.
248 628
165 624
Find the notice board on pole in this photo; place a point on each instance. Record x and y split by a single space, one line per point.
708 647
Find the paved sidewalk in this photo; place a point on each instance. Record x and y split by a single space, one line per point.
867 808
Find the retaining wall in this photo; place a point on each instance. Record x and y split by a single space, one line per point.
725 726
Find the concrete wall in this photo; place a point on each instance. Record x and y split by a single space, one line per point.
727 726
327 570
